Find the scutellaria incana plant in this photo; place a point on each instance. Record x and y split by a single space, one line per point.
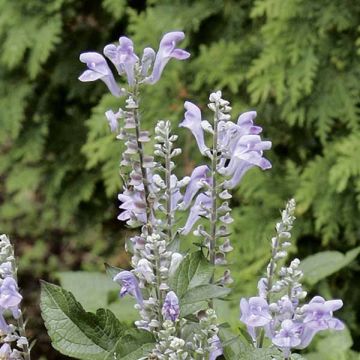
174 291
14 344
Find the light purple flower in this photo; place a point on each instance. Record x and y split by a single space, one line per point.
123 57
202 203
112 118
171 309
243 146
287 337
133 206
99 69
5 351
129 285
198 176
167 50
255 312
319 314
10 297
147 60
216 349
192 121
4 327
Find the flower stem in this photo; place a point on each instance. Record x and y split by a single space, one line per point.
149 207
213 215
136 114
168 187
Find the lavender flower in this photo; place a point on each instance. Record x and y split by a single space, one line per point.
99 69
129 285
200 208
255 312
10 297
171 309
193 121
123 57
133 206
319 314
198 177
287 337
5 351
167 51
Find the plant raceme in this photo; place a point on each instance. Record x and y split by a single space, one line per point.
175 292
14 344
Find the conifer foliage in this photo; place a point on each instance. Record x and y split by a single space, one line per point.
296 61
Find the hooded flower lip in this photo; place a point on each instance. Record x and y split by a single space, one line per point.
288 337
10 297
192 121
129 285
123 57
167 50
171 309
99 69
202 202
147 60
198 176
255 312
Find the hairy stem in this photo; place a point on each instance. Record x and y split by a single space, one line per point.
168 188
213 215
136 114
149 207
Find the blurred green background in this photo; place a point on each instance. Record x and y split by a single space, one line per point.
297 62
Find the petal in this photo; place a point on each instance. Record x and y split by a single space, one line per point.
180 54
147 60
198 174
166 51
195 212
192 121
89 75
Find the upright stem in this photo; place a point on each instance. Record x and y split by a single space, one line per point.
21 326
272 268
20 320
136 113
213 215
168 188
149 208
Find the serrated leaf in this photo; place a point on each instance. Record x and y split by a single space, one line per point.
75 332
237 348
204 292
319 266
133 345
194 270
104 295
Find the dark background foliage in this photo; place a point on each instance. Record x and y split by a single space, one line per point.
296 62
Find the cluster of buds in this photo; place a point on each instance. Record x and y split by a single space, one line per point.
277 311
166 185
12 335
170 346
205 342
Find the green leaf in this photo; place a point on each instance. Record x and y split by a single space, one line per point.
204 292
75 332
133 345
237 348
193 271
323 264
104 295
111 271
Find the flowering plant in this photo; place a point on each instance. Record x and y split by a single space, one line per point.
175 292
